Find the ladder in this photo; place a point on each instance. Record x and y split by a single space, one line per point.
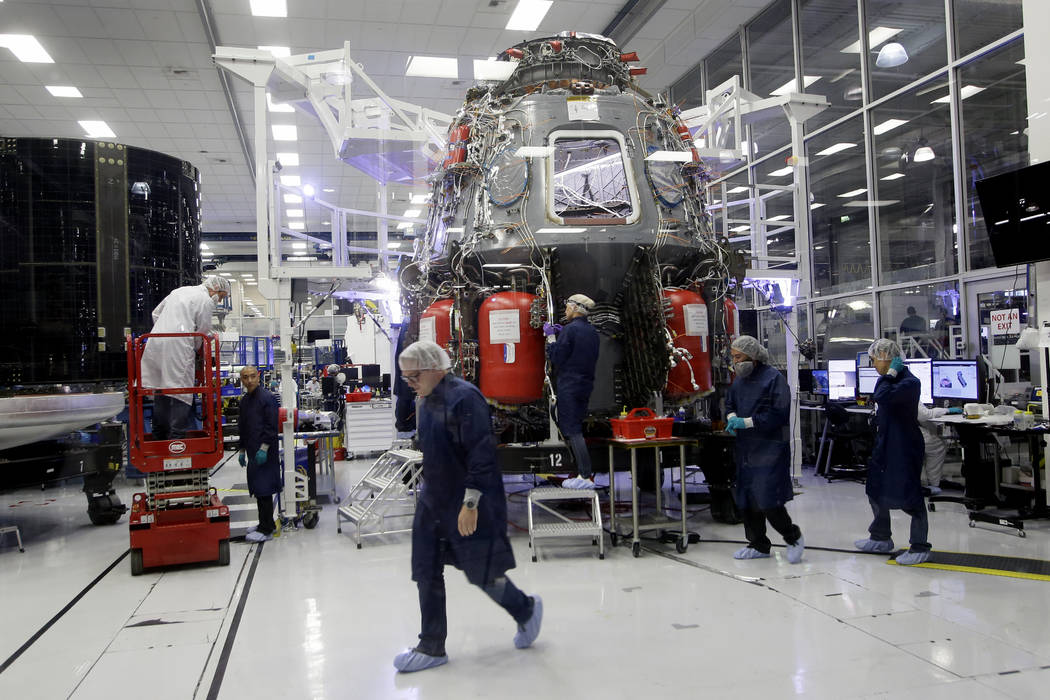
387 490
563 526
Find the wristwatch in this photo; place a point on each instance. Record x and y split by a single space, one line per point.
470 504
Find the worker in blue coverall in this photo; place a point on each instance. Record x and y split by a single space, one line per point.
257 427
461 516
573 355
758 407
895 466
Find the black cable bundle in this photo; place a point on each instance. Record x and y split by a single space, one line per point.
644 330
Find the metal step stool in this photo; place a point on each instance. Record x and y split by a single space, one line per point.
18 535
387 491
565 527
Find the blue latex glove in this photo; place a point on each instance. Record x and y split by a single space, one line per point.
260 457
243 459
955 410
897 365
734 424
551 328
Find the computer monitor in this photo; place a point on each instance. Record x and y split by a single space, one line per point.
805 381
866 378
351 372
314 336
842 380
923 370
863 359
1016 207
820 381
955 379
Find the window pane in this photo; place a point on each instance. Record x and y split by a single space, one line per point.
994 126
777 208
980 22
920 318
770 56
590 182
724 62
1000 344
843 327
915 193
687 92
826 28
841 246
906 41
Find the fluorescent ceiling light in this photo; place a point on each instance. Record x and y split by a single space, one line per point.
392 245
671 156
297 213
779 217
738 229
964 92
97 129
26 48
831 150
853 193
302 258
411 213
815 205
859 305
894 176
291 159
63 91
292 199
888 125
782 172
419 198
278 51
561 229
493 70
252 284
247 274
226 274
789 86
269 8
277 107
528 15
284 132
534 151
871 202
329 189
297 225
403 225
875 37
290 180
299 245
432 67
738 190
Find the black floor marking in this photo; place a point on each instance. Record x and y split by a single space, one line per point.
227 647
69 606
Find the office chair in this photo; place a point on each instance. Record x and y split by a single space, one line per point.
855 441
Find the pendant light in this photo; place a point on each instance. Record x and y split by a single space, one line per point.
891 55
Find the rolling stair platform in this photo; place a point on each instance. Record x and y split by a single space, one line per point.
387 491
564 526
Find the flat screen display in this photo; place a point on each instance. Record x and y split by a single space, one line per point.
820 381
923 370
955 379
866 378
842 379
1016 207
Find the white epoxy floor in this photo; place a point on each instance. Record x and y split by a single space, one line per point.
322 619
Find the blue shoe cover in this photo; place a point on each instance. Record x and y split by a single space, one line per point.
750 553
794 551
528 632
910 558
411 660
877 546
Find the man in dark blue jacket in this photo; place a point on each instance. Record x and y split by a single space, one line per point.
461 516
257 427
758 407
573 356
895 466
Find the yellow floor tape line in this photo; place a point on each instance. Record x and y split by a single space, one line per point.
974 568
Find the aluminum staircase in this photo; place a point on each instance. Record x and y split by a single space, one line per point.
386 491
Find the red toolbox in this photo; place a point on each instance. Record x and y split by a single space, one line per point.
641 424
358 396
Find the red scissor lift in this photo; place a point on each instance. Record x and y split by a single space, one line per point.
180 518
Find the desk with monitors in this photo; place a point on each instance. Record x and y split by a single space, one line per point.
922 369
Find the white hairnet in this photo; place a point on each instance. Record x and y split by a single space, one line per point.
583 302
217 284
750 346
884 349
424 354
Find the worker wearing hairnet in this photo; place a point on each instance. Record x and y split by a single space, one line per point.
169 363
461 517
933 457
573 356
896 460
758 410
259 452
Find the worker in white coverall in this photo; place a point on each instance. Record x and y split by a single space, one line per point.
933 462
169 363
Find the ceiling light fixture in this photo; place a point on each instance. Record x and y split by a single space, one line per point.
964 92
891 55
296 213
269 8
432 67
26 48
284 132
274 107
831 150
296 225
853 193
894 176
288 159
923 153
888 125
97 129
493 70
290 180
782 172
292 199
528 14
789 86
875 37
277 51
63 91
308 190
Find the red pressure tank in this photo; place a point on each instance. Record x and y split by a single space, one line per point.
689 328
511 351
732 319
435 323
458 137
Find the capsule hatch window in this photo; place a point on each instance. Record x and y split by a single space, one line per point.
589 180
